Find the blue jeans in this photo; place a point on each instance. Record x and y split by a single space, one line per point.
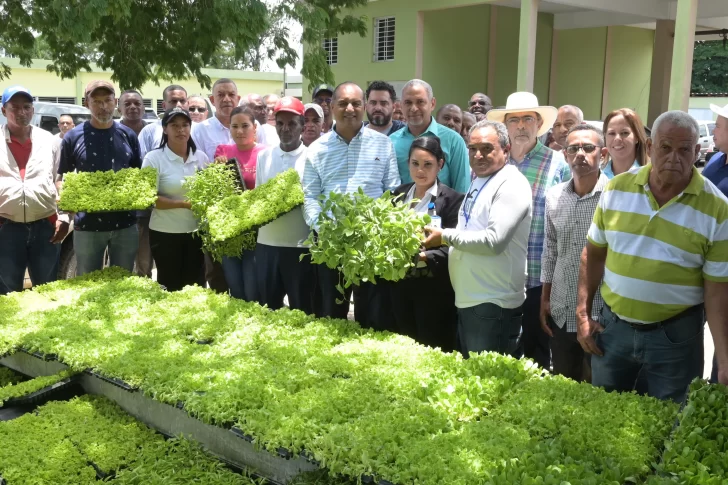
667 357
241 277
90 247
488 327
27 246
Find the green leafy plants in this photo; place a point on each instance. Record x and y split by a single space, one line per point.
697 454
367 238
205 189
359 402
9 376
238 214
11 391
127 189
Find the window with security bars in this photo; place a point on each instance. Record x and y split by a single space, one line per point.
147 102
384 39
160 108
331 46
57 99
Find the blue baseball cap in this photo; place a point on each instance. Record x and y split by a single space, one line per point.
13 90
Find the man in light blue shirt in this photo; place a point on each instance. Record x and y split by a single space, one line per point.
418 103
345 159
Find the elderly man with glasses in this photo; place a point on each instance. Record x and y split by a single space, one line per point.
544 168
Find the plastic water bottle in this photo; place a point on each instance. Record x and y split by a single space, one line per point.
435 220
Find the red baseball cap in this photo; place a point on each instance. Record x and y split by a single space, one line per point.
289 104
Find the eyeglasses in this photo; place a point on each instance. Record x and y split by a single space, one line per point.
515 121
322 100
588 148
195 109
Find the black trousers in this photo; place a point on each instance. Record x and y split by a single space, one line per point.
179 259
569 358
281 272
424 309
215 275
534 341
372 302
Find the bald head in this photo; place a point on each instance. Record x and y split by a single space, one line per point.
451 116
568 117
257 105
347 86
479 104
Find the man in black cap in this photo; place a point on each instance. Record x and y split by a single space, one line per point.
322 96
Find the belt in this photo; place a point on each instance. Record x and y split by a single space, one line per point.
648 327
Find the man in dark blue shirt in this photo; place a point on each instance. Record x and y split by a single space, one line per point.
380 106
101 144
716 170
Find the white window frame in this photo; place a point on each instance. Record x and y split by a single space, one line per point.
379 23
331 46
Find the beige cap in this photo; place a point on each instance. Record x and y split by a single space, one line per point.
99 84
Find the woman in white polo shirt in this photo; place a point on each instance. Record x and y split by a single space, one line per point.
176 250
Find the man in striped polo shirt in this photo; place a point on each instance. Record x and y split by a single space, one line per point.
659 239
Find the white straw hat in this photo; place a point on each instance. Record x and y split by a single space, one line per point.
719 111
524 101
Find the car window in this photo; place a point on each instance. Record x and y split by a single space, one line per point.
711 128
703 132
49 123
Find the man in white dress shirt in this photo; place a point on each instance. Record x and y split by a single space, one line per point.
488 247
280 245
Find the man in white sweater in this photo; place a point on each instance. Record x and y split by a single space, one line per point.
488 247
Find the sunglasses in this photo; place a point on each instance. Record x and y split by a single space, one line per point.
480 102
195 109
322 100
588 148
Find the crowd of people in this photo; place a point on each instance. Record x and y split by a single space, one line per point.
599 254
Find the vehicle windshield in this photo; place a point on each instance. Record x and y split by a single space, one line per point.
711 128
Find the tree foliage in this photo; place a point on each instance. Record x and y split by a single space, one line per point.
710 67
161 40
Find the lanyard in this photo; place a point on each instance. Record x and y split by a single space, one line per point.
470 195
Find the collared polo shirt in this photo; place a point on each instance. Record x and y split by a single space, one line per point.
610 173
289 230
716 170
543 169
456 171
171 173
331 164
659 257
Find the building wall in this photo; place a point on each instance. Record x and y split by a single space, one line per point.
43 83
578 74
455 52
627 80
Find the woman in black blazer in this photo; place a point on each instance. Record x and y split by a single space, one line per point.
424 302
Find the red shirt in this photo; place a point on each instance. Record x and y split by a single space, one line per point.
21 153
246 159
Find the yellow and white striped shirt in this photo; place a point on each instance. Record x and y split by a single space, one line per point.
658 257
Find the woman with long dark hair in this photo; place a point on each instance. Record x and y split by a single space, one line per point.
240 271
175 249
424 302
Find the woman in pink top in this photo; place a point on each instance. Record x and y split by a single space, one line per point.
240 271
245 150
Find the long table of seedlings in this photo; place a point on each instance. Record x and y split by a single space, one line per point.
110 377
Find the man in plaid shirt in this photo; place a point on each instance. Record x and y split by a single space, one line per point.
526 120
570 209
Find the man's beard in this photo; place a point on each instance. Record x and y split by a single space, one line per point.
379 119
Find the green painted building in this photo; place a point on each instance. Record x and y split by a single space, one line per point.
597 54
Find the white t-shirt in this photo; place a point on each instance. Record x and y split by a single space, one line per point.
171 172
289 230
488 248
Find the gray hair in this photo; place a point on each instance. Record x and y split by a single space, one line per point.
499 128
419 82
587 127
677 118
575 109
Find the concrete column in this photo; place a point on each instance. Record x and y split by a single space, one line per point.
79 88
661 65
527 45
682 54
419 44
